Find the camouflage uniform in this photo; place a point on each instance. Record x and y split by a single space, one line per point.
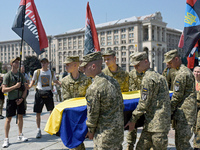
75 88
121 76
72 88
196 142
170 74
155 105
135 80
183 107
105 113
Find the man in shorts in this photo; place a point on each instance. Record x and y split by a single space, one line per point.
15 102
43 95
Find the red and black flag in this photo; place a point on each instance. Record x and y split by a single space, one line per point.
192 59
34 34
191 25
91 39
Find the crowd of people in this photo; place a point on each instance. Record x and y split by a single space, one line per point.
103 92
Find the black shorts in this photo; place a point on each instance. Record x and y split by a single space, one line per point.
12 107
40 101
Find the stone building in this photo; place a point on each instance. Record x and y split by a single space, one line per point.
146 33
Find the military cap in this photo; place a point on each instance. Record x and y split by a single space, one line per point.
71 59
12 60
44 60
91 57
170 55
109 52
137 57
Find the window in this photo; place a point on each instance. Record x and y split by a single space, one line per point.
123 41
115 31
123 47
131 28
102 33
123 53
108 32
131 41
109 38
115 48
102 38
108 43
116 37
131 35
102 43
123 30
116 42
123 36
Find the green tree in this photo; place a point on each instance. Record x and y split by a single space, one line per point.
31 63
1 66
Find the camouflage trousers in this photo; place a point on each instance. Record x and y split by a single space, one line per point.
108 139
155 140
183 134
131 137
196 141
80 147
1 105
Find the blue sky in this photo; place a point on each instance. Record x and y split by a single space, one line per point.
59 16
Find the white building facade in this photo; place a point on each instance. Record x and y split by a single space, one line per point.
125 36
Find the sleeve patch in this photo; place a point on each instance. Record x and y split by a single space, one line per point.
144 94
176 86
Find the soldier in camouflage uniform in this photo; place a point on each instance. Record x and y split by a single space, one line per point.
196 142
135 80
75 84
183 102
169 74
105 119
115 71
154 103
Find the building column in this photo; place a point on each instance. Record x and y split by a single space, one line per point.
155 33
150 58
164 34
150 32
160 34
156 60
57 57
127 59
120 56
62 62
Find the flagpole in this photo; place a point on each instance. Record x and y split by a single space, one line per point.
23 19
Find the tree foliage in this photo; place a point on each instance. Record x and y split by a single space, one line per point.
1 67
31 63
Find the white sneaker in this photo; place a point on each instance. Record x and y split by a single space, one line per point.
39 134
5 143
22 138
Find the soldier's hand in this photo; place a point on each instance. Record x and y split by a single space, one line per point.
131 126
89 135
18 85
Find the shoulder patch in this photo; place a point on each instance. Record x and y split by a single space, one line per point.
176 86
144 94
145 90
